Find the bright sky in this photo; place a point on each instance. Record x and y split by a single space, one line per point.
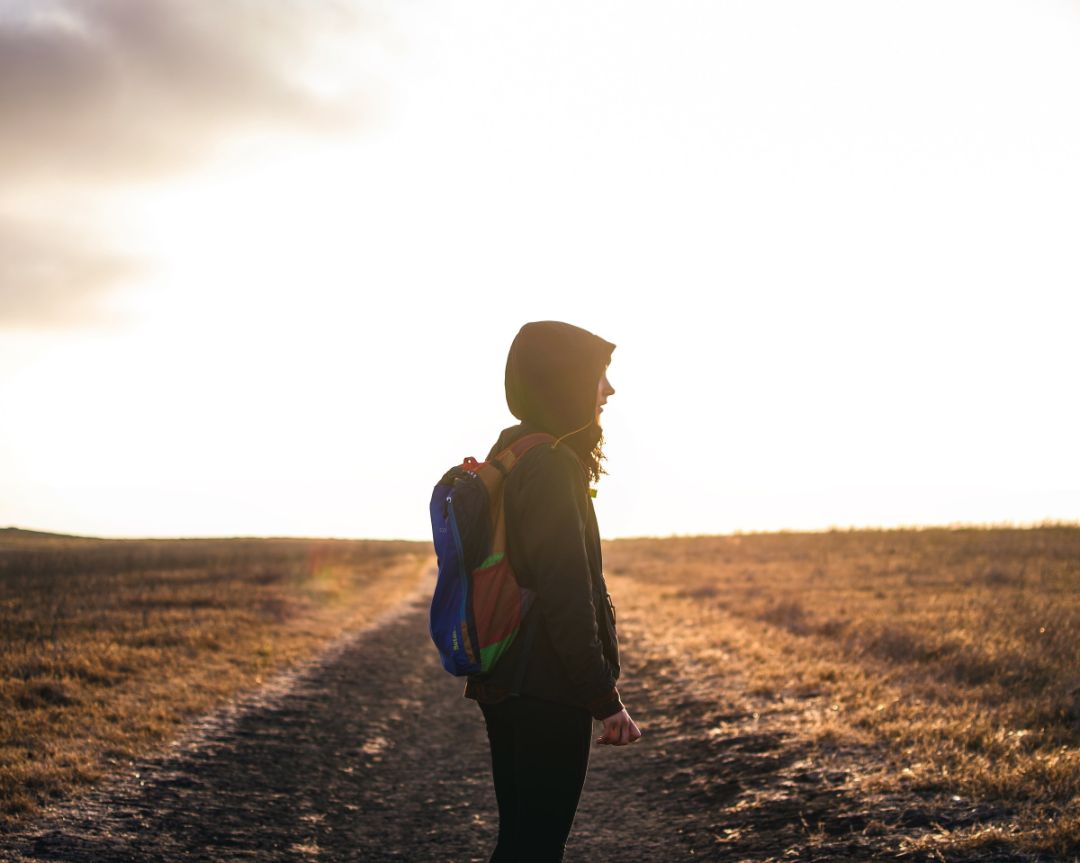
260 264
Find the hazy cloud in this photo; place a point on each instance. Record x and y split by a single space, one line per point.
50 278
102 93
120 87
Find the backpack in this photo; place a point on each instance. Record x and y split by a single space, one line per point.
478 606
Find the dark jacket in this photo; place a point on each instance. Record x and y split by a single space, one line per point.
553 543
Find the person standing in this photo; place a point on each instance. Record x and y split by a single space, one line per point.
566 656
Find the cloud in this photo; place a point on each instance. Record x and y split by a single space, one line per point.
97 95
111 89
50 278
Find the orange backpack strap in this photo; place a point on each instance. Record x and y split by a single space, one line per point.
509 457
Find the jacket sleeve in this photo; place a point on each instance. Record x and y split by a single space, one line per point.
551 504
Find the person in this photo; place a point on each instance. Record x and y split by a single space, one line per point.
539 715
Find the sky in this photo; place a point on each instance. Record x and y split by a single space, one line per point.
261 263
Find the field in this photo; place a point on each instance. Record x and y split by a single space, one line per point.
953 654
108 647
845 696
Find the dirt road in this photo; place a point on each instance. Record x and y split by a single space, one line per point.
370 753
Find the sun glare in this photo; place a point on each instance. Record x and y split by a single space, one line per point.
837 263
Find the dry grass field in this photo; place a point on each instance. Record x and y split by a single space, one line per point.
953 655
864 695
108 647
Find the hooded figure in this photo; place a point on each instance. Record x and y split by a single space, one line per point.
552 372
558 675
551 375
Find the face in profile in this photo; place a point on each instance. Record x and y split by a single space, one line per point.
603 390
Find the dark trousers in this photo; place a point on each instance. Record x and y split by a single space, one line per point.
539 757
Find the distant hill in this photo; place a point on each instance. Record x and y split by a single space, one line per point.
23 533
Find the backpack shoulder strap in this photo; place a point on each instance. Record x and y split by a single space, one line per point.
509 457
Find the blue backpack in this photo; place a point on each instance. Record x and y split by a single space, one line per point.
478 606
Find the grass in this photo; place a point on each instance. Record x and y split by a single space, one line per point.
957 652
107 647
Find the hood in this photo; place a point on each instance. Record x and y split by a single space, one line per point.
552 372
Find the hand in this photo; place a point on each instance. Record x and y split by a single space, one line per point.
619 729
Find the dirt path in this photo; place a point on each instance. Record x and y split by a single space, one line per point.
371 754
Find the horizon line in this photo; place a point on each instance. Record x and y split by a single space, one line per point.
1046 523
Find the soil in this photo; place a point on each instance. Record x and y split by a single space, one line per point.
370 753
